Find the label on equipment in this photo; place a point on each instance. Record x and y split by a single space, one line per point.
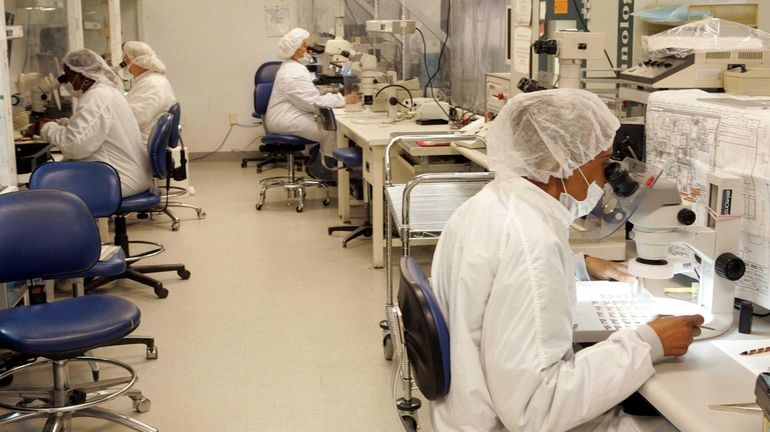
727 201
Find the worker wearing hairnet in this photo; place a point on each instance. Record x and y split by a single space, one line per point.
504 276
103 127
290 110
151 95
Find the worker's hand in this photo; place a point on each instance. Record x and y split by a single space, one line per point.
352 98
62 121
600 269
29 132
676 332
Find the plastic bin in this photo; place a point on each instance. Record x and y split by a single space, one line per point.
29 156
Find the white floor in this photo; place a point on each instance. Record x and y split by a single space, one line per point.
276 330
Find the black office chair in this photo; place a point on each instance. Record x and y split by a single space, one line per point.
352 159
425 339
290 146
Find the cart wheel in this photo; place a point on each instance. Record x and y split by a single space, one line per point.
152 353
387 347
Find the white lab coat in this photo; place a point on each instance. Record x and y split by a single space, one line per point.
290 110
104 129
149 98
503 274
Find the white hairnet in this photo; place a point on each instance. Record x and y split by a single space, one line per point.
549 133
91 65
291 42
144 56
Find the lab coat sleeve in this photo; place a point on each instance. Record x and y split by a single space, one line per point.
535 380
303 94
85 132
581 271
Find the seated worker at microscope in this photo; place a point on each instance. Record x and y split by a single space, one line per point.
103 127
151 94
504 276
290 110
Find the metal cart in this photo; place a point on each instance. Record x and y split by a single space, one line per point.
420 210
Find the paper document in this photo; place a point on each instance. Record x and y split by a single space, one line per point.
107 252
523 12
522 39
691 132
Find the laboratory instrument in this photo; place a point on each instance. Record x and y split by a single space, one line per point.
571 48
661 218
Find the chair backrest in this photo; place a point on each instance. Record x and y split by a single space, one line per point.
265 75
173 138
44 234
157 147
324 118
96 183
426 336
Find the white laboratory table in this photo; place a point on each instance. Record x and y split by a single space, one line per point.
682 389
372 132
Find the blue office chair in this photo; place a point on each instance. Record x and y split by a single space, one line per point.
46 234
265 73
145 202
352 159
177 173
289 146
425 338
98 185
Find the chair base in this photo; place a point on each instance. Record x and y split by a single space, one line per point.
64 401
138 274
175 221
356 231
295 185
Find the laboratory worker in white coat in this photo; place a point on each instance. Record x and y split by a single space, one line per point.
290 110
151 94
102 128
504 276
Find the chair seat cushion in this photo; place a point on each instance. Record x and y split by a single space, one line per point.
140 202
112 266
69 327
284 142
351 157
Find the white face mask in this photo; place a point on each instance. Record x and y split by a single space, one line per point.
306 59
577 208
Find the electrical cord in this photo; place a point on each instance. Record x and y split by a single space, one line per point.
430 77
222 144
411 99
585 26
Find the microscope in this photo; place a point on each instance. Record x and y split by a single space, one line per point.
661 218
571 48
35 93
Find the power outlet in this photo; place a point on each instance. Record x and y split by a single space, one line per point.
232 118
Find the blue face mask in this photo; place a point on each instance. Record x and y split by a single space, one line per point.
577 208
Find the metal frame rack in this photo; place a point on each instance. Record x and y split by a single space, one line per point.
420 210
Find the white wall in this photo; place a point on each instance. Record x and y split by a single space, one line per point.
212 50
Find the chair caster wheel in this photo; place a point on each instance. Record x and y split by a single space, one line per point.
161 292
409 422
152 353
326 202
175 226
388 350
259 207
141 404
299 209
5 382
95 375
184 274
142 215
244 163
201 215
259 170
